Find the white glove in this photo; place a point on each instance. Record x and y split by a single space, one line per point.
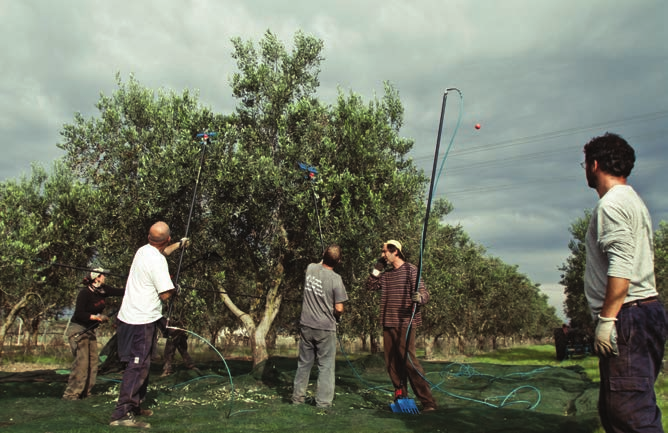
184 243
379 267
605 343
416 297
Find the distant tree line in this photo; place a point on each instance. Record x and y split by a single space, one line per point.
572 277
258 217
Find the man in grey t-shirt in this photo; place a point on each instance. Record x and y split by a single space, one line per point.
324 295
620 287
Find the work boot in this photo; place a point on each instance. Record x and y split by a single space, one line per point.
195 369
129 421
144 412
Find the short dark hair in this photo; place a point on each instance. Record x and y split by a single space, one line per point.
332 255
614 155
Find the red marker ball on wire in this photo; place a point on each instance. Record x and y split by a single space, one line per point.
477 126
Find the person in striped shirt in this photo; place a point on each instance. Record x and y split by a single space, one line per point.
400 315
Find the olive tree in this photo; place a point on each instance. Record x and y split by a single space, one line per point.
42 218
273 215
577 309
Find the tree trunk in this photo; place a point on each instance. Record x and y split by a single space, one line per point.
246 320
214 335
460 341
375 344
429 347
11 316
481 340
271 339
33 334
258 332
271 309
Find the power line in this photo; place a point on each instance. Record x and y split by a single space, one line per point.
527 183
544 154
548 135
511 161
495 188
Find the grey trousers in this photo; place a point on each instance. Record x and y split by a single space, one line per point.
316 345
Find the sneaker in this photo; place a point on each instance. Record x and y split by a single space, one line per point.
129 421
144 412
166 373
325 410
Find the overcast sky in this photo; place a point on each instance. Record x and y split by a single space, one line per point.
541 77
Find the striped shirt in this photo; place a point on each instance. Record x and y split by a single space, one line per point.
397 285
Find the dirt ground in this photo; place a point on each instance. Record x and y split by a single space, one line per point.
19 367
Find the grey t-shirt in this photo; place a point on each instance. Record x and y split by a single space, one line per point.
619 244
322 289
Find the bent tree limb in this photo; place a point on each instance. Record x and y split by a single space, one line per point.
11 317
258 332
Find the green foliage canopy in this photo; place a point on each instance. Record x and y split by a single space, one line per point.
258 219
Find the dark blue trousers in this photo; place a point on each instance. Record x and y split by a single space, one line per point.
627 402
136 345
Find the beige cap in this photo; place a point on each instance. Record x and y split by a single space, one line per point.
396 244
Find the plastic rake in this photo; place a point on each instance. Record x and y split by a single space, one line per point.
404 405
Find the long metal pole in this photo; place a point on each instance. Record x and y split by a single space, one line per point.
423 240
206 139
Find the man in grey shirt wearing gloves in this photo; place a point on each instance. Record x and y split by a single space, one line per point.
631 322
324 295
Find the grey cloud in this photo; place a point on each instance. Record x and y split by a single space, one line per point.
542 78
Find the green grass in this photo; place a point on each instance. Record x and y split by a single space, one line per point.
544 355
471 393
539 355
36 359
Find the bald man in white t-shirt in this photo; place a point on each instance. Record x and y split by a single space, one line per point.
149 284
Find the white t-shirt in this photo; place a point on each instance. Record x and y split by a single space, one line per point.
619 244
149 276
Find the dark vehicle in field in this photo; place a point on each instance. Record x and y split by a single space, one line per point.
570 342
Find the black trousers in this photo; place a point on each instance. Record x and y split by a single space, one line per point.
136 346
